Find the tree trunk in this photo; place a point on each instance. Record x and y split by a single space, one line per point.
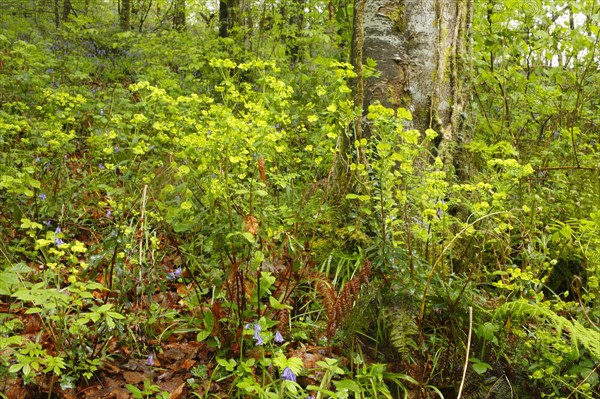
56 14
419 46
179 15
295 9
66 10
125 15
228 16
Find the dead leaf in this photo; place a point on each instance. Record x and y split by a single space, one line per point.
261 168
14 390
134 377
177 392
251 224
188 364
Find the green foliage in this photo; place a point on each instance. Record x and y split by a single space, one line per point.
151 164
149 391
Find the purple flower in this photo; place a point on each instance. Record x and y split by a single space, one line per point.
288 375
150 360
58 242
42 196
101 166
102 111
116 148
310 397
174 275
257 330
278 338
37 159
108 213
259 341
48 223
58 230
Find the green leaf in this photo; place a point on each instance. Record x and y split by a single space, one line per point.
348 385
15 368
104 308
202 335
275 304
228 365
115 315
479 366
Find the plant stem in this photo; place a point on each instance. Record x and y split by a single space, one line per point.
464 376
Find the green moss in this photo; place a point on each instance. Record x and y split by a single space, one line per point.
398 18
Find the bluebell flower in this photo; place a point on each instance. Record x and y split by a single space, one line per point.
310 397
259 341
48 223
116 148
108 213
101 166
278 338
58 242
42 196
288 375
257 330
174 275
150 360
58 230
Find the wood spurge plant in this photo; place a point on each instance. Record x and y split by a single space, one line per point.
299 199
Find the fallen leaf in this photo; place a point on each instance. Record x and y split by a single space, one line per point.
177 392
134 377
188 364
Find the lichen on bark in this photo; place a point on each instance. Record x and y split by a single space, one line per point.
418 46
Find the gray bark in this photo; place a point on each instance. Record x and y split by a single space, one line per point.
419 46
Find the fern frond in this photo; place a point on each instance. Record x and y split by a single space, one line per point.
580 335
339 305
402 329
347 297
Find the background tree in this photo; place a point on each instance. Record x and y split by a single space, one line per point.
125 14
419 47
228 16
179 14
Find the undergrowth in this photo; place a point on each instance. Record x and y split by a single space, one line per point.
205 194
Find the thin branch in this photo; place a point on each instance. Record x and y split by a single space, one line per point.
464 376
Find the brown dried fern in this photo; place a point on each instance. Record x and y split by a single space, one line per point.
347 297
283 316
338 305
